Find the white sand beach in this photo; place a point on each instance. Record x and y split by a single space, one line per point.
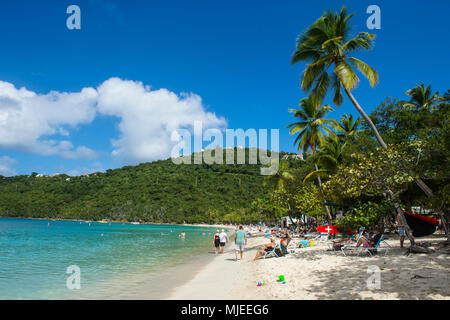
316 273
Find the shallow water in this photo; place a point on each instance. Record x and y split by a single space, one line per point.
116 260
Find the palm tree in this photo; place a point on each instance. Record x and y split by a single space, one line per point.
280 178
311 124
312 121
348 127
331 154
421 98
326 43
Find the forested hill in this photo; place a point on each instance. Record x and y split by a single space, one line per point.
159 191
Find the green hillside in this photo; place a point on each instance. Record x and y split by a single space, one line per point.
159 191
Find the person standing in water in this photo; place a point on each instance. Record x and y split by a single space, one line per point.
240 242
216 242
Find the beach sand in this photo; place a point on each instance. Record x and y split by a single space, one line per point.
316 273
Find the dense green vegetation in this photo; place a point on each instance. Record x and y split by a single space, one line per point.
160 191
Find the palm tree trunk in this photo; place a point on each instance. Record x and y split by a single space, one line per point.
366 117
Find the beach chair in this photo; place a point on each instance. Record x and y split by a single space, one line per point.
322 237
273 253
370 250
349 244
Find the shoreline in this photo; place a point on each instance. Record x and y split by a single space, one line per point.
127 222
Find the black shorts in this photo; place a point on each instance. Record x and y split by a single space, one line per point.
216 243
222 244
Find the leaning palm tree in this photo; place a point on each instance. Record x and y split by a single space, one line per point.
421 98
326 43
312 121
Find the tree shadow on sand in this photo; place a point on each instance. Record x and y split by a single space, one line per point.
401 276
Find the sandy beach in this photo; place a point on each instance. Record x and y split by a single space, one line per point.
317 273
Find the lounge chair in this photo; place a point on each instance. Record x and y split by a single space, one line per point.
273 253
370 250
348 243
322 237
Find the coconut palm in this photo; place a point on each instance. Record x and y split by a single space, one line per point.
330 155
327 43
348 127
312 121
421 98
280 178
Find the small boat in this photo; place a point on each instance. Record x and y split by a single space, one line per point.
135 223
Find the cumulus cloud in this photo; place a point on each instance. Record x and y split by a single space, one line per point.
149 117
27 120
6 168
41 123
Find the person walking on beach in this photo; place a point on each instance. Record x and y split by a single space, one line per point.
240 242
223 240
401 230
216 241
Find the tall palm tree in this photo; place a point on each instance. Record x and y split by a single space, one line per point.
421 98
326 43
312 121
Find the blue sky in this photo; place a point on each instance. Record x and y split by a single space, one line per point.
231 58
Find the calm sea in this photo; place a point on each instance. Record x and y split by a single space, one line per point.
116 260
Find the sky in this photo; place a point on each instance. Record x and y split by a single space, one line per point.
113 92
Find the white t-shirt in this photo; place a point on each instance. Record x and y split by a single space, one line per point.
223 237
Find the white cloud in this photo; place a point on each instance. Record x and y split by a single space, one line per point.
28 119
148 118
6 168
30 122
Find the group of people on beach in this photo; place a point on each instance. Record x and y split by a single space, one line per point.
240 241
220 240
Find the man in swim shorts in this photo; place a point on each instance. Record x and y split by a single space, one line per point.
240 242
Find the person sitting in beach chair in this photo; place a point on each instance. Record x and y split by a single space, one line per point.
338 244
284 243
266 249
369 244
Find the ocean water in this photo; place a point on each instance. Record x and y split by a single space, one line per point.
116 260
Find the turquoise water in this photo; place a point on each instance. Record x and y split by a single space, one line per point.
113 258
